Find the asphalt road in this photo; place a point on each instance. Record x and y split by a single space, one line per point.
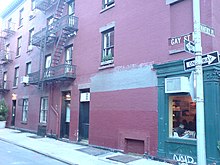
13 155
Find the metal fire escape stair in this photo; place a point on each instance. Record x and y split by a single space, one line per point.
62 35
59 48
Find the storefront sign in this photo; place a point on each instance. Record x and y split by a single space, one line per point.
179 39
183 159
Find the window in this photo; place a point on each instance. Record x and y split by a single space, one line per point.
7 54
16 75
28 68
108 46
71 7
68 59
106 3
50 20
21 17
43 110
5 80
31 32
182 117
25 110
19 46
10 24
33 4
47 66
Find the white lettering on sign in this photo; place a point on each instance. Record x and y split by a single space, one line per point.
207 30
180 39
184 159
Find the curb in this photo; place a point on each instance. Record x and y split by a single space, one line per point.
36 151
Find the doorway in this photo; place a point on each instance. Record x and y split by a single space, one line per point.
84 116
65 115
13 113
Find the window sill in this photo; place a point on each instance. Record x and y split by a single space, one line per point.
14 87
107 8
17 56
107 62
106 66
20 26
182 140
24 122
31 17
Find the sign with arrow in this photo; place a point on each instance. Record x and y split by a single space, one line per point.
207 59
189 46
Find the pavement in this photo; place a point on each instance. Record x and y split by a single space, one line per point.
71 153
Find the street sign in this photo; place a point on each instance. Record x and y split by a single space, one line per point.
189 46
207 59
207 30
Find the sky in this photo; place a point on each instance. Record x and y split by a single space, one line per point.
4 4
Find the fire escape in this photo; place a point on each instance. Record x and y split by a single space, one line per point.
5 56
55 34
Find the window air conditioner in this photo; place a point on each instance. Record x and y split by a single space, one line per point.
24 79
177 85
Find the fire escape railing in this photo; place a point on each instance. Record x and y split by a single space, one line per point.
34 78
44 5
60 72
9 30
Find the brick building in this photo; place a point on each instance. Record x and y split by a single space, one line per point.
95 73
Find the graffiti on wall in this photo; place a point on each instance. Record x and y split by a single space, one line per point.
183 159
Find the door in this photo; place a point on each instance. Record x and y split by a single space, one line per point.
13 113
65 116
84 117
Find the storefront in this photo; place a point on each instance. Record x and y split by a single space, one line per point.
177 114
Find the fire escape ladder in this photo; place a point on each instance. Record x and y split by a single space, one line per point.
59 9
1 77
59 48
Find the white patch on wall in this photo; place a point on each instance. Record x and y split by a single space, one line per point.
126 77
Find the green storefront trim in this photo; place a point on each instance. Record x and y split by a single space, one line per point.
185 150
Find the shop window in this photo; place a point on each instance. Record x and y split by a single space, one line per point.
182 117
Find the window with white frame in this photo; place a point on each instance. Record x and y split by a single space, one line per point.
25 110
106 3
182 117
47 65
43 110
108 46
19 46
16 76
21 17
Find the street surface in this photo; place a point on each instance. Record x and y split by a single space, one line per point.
13 155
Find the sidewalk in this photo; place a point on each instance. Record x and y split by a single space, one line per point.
69 153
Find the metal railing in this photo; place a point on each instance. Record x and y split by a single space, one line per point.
44 5
34 77
67 22
60 72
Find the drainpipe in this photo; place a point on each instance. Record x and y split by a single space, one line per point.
200 122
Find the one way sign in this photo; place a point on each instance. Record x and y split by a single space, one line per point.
207 59
189 46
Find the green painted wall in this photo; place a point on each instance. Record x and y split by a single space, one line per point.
185 149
